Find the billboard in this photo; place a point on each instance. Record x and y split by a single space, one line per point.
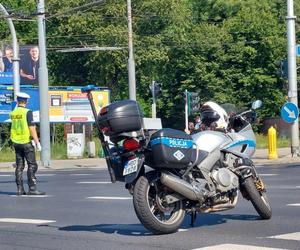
29 64
66 104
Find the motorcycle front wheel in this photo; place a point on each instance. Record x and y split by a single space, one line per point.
258 197
152 210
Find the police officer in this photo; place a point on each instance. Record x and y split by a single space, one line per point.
22 130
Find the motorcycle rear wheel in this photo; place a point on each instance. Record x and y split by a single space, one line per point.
157 216
258 199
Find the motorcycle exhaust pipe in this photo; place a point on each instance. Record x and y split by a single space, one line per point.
181 186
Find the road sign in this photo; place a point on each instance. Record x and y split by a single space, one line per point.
289 112
298 50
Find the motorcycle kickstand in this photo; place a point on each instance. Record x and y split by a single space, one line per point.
193 218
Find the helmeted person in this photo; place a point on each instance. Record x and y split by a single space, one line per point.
213 116
22 130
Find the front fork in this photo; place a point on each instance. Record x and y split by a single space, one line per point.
245 172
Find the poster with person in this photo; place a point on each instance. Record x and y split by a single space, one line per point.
29 65
6 64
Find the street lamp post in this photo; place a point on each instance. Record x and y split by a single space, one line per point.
131 64
292 73
43 87
16 59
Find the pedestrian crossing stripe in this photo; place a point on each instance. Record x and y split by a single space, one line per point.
94 182
80 174
235 247
25 221
289 236
109 198
294 205
32 196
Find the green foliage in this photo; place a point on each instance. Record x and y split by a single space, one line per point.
225 50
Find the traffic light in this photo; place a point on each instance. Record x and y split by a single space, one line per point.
284 68
193 102
155 89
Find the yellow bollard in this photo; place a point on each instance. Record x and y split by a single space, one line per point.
272 143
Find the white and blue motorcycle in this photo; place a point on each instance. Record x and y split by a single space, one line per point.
170 173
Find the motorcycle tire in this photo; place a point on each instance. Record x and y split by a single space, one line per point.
153 213
258 199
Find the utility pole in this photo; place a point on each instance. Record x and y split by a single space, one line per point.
292 73
16 59
131 65
154 99
43 87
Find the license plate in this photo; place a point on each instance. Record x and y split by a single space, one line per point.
131 166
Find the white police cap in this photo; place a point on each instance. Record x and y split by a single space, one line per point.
22 95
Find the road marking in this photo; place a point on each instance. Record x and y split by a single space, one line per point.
235 247
294 205
297 186
25 221
5 175
268 174
94 182
32 196
80 174
109 198
45 174
290 236
183 230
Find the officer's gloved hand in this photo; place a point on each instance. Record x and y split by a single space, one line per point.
33 144
39 147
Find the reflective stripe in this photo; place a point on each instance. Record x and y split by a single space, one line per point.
172 142
19 132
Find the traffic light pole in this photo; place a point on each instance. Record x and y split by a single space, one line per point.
292 74
154 100
186 111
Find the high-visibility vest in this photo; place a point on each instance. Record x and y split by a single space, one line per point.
19 132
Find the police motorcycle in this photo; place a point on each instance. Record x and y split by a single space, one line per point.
170 173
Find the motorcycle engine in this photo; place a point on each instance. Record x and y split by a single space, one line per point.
225 180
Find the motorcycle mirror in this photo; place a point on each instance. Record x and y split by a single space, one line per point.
256 104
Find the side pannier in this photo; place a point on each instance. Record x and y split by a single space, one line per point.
172 149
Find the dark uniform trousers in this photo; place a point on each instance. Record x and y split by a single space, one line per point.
25 151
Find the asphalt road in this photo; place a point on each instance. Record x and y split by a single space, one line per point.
83 210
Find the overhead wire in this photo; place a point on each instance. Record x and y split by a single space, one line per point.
91 4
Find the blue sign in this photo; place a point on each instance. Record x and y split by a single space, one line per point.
7 103
289 112
6 78
298 50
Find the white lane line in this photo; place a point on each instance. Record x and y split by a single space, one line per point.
297 186
109 198
235 247
25 221
294 205
45 174
80 174
32 196
5 175
94 182
290 236
268 174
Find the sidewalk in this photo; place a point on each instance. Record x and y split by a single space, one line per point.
260 158
284 157
88 163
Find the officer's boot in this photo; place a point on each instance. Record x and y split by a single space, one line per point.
34 191
19 181
20 190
